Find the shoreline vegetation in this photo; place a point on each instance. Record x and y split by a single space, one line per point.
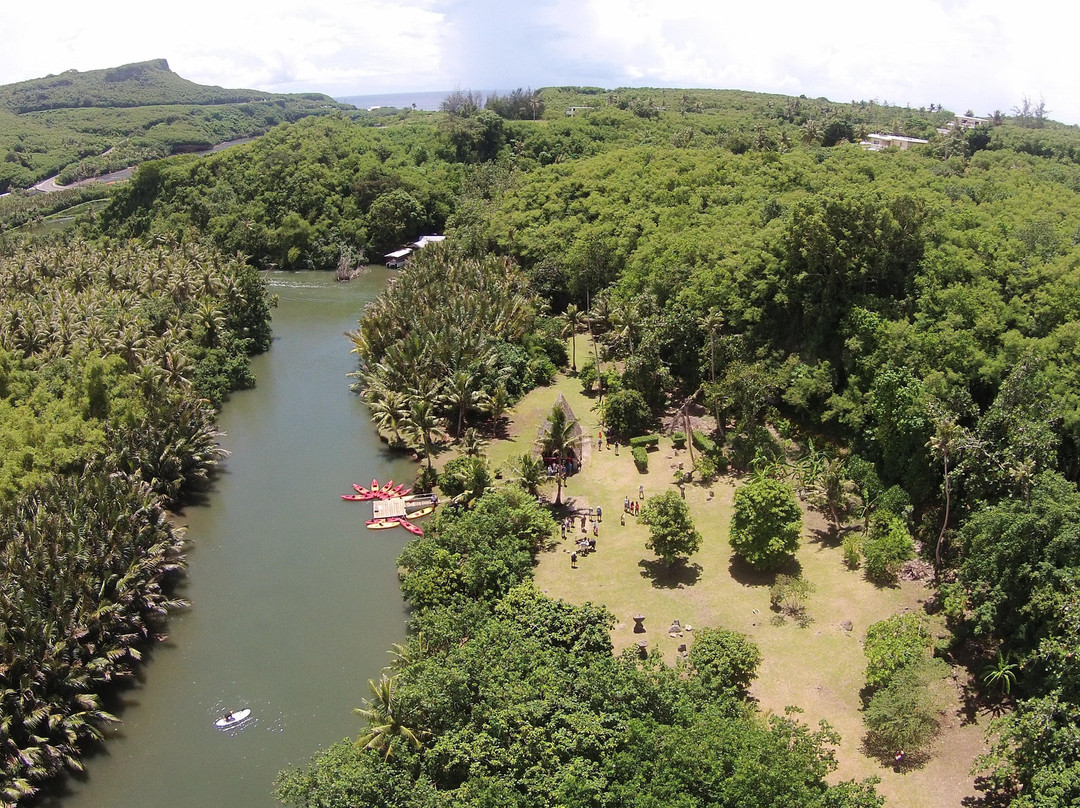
112 362
888 336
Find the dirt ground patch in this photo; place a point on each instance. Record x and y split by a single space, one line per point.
819 668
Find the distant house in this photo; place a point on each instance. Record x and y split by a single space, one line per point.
572 111
969 121
398 258
879 142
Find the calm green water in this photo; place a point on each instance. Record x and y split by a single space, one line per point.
294 603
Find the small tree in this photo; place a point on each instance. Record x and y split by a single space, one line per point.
892 644
766 525
671 531
886 548
626 413
906 714
724 660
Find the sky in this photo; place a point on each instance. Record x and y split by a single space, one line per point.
982 55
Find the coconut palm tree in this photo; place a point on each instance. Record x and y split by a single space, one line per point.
528 471
385 727
572 320
423 426
472 444
560 435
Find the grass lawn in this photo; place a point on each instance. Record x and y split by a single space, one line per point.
819 668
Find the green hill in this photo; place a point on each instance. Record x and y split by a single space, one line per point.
83 124
134 85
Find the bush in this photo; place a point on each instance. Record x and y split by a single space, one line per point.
886 548
626 413
767 523
703 443
645 441
465 474
788 597
678 440
892 644
852 546
425 480
641 458
707 467
724 660
904 715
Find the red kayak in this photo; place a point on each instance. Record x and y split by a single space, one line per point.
353 497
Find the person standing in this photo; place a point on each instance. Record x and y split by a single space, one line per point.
573 560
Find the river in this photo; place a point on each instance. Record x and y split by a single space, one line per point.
294 603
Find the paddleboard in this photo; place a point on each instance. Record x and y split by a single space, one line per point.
225 722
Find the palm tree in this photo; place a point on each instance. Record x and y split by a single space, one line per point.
472 444
460 393
946 440
573 318
384 724
713 322
560 435
423 426
496 405
528 472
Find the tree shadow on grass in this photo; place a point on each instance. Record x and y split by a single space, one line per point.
746 575
830 537
910 761
678 576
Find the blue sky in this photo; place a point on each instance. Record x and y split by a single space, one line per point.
983 55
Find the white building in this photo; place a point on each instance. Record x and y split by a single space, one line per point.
879 142
397 258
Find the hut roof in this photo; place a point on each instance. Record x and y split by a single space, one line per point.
545 427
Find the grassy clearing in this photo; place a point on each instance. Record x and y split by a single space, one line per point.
819 668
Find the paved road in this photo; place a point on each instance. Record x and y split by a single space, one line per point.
50 186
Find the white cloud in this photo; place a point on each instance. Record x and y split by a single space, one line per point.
982 54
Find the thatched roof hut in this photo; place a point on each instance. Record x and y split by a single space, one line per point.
545 427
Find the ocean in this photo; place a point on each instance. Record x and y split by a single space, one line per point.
428 101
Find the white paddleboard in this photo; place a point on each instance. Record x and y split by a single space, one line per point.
225 722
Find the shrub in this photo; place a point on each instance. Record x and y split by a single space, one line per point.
766 524
852 546
704 443
425 480
678 440
645 441
707 467
641 458
626 413
724 660
904 715
465 474
886 548
892 644
788 596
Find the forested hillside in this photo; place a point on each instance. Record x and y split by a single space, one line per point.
84 124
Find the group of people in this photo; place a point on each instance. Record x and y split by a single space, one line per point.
562 467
